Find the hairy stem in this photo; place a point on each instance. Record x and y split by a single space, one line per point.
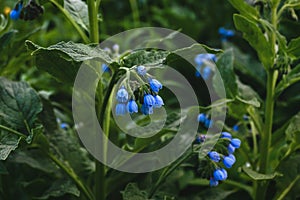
93 21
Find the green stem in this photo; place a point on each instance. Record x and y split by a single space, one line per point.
72 175
12 131
93 21
135 12
286 191
71 20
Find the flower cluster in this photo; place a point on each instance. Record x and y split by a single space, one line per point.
226 33
203 62
147 96
219 173
204 119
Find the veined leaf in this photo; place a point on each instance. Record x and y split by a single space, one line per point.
19 104
79 11
8 143
253 34
63 59
244 8
258 176
294 48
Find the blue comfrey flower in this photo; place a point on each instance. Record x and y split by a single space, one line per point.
229 161
226 33
214 156
213 182
64 126
235 128
219 174
149 100
147 110
230 149
198 69
132 106
121 109
201 117
208 123
206 73
158 101
16 12
122 95
141 70
225 173
202 57
226 135
105 68
200 139
236 143
155 85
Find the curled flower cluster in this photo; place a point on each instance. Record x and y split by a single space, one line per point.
202 61
219 173
226 33
203 118
147 96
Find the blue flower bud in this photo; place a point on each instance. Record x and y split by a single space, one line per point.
228 161
147 110
235 128
132 106
155 85
225 173
14 14
226 32
121 109
64 126
214 156
141 70
236 143
206 73
213 182
122 95
201 117
149 100
105 68
230 149
232 157
208 123
219 175
200 139
158 101
226 135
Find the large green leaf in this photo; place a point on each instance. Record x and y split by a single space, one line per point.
79 11
63 59
244 8
294 48
225 67
254 35
60 188
19 104
258 176
8 143
291 78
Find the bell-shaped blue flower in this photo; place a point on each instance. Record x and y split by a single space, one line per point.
121 109
158 101
16 12
155 85
213 182
132 106
147 110
149 100
208 123
206 73
122 95
228 161
219 175
214 156
225 174
201 117
235 128
230 149
141 70
236 143
226 135
105 68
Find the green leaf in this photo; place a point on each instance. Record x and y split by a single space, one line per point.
258 176
245 9
8 143
79 12
253 34
132 192
293 133
225 67
247 95
294 48
63 59
3 169
6 38
19 104
144 57
60 188
291 78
